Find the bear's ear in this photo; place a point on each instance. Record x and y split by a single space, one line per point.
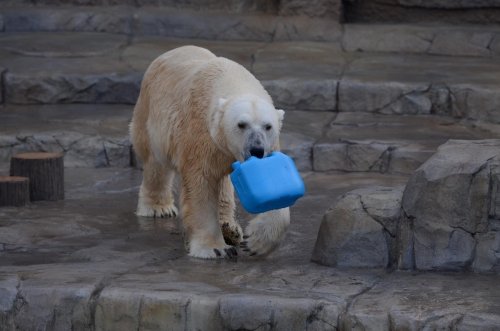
281 114
222 102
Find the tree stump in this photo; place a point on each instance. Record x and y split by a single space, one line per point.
14 191
45 172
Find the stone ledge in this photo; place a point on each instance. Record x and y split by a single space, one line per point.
451 4
387 143
170 22
481 41
89 136
97 135
331 9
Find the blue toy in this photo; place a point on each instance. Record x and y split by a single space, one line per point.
269 183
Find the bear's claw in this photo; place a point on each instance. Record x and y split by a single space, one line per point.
224 252
231 252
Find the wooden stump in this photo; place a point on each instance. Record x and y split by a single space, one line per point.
45 172
14 191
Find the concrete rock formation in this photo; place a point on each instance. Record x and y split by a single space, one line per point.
360 229
446 219
450 206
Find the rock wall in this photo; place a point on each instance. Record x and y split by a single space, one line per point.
447 217
409 11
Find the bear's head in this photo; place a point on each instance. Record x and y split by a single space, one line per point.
250 126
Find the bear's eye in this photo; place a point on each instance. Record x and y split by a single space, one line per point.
268 127
242 125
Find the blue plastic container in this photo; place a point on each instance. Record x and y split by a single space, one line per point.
269 183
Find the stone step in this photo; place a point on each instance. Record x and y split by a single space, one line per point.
450 40
331 9
41 68
88 135
170 22
423 11
97 136
387 143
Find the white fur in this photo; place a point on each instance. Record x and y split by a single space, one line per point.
187 120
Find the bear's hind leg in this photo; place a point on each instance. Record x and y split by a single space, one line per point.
202 233
155 196
231 230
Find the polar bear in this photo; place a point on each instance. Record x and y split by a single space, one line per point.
196 114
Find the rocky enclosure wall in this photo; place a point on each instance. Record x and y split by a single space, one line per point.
314 8
407 11
447 217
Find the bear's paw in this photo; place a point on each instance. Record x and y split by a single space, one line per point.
223 252
168 210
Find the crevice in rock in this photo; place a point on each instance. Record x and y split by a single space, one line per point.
379 110
376 219
3 92
186 318
94 296
342 319
382 163
314 316
473 234
337 91
19 301
139 313
489 43
431 42
106 157
401 249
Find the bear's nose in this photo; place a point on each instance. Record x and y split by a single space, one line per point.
257 152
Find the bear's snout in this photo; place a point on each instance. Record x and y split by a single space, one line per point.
257 152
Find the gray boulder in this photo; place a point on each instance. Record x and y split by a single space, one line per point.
359 230
448 217
450 210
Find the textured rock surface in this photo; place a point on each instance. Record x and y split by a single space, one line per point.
315 8
359 229
454 4
111 20
300 131
63 44
172 21
439 40
70 265
413 84
89 136
450 208
386 143
406 302
299 75
423 11
97 135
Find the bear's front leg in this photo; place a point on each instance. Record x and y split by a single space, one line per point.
200 200
265 232
231 230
